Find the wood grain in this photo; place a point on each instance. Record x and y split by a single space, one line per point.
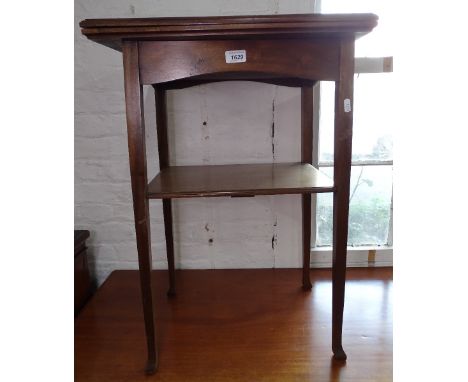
307 136
139 180
256 77
265 59
343 134
212 332
111 32
163 152
238 180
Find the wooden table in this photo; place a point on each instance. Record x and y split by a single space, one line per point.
288 50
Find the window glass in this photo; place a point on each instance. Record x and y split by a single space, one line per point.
372 118
369 208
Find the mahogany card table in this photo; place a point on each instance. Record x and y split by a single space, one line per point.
287 50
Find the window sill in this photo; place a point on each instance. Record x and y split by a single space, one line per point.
365 256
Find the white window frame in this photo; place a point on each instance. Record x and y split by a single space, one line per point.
358 256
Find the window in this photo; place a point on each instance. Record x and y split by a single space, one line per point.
370 215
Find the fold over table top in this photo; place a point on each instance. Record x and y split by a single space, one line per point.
111 32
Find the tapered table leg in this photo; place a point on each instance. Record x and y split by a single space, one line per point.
163 152
306 226
137 155
167 210
307 120
342 171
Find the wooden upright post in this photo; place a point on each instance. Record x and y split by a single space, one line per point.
163 150
137 155
342 172
307 119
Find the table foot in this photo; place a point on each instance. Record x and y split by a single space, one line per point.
306 286
339 354
151 367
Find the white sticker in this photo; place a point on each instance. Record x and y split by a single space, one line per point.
235 56
347 105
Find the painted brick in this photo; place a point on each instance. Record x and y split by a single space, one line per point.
239 120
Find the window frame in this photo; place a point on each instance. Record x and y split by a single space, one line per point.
377 255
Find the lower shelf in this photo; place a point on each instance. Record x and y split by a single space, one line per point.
238 180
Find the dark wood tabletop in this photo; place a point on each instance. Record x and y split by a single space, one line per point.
111 32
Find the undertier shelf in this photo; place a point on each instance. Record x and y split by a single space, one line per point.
238 180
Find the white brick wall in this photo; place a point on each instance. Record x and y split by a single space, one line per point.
210 232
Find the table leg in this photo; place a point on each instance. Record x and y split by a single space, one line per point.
306 227
307 120
137 155
167 210
163 152
342 171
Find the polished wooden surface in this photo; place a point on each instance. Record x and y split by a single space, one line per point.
238 325
163 152
139 180
307 137
83 284
343 133
111 32
264 59
225 77
238 180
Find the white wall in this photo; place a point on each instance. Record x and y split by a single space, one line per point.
264 231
